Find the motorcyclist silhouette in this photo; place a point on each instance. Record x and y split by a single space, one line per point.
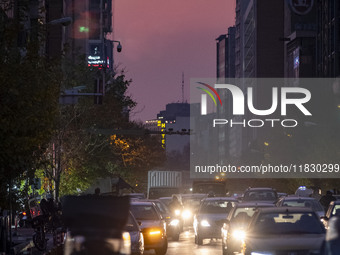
175 205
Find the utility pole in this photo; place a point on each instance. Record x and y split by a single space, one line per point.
182 87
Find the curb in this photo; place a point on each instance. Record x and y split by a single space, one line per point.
23 248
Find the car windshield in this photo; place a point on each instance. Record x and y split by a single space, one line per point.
162 208
217 206
166 200
315 205
260 195
336 210
144 212
242 215
192 202
287 223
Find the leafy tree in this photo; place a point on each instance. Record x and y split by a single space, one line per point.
29 89
85 152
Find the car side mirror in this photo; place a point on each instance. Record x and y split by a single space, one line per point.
139 223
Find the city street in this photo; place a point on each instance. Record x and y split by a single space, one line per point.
186 245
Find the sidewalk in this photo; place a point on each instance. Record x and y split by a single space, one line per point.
23 243
22 240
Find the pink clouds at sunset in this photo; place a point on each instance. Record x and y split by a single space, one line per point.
162 38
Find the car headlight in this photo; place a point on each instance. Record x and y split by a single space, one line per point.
186 214
205 223
126 244
174 222
239 234
177 212
261 253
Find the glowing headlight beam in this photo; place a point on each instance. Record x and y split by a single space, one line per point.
186 214
177 212
174 222
205 223
239 234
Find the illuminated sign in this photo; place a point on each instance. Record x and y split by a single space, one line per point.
95 60
95 57
162 126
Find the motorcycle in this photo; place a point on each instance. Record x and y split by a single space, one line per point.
24 219
45 218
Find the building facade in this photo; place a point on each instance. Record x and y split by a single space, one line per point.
300 40
328 38
175 118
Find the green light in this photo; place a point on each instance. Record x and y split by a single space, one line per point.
83 29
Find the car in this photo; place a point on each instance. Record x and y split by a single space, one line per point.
191 203
281 194
284 230
260 195
173 223
333 209
168 200
233 228
337 197
302 202
136 235
165 200
136 195
95 226
152 224
209 218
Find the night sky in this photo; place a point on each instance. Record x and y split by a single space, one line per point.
161 39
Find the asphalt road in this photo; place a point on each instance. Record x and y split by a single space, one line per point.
187 246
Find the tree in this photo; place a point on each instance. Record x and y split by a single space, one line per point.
85 153
29 89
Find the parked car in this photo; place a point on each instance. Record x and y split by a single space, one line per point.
260 195
333 209
152 224
284 230
233 229
302 202
173 223
210 216
136 235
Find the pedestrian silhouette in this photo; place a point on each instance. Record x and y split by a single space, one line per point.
326 199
